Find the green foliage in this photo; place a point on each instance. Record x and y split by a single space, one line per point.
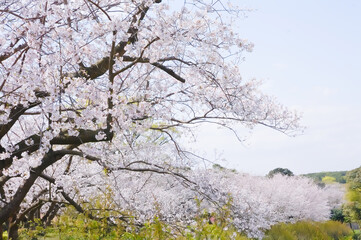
357 235
213 225
283 171
337 215
308 231
353 195
280 232
92 224
34 230
352 211
217 166
5 235
354 175
338 175
80 227
353 208
70 227
74 226
353 178
151 230
335 230
328 179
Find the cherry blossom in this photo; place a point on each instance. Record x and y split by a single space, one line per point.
88 87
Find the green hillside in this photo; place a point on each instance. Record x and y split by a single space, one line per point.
339 176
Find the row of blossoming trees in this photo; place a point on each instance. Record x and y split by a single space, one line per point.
96 93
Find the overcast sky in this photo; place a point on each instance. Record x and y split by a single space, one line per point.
308 55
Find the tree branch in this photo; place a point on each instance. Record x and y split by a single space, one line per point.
19 110
6 55
85 136
155 64
158 169
12 208
102 66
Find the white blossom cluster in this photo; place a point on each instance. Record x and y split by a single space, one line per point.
256 203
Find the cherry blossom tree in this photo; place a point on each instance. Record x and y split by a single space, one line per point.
90 87
255 203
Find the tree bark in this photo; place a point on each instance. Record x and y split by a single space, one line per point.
50 214
1 232
13 230
12 208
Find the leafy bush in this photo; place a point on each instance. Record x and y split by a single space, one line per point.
335 229
5 235
99 222
337 215
308 231
82 228
73 226
280 232
357 235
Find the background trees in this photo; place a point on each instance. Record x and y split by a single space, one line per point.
353 208
339 176
94 88
247 204
282 171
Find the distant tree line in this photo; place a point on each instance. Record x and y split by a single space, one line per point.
339 176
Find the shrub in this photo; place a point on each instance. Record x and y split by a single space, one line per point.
335 229
356 236
308 231
280 232
74 226
337 215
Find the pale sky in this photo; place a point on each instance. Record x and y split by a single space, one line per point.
307 53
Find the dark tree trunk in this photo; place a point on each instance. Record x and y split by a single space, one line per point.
1 232
52 215
12 208
13 233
